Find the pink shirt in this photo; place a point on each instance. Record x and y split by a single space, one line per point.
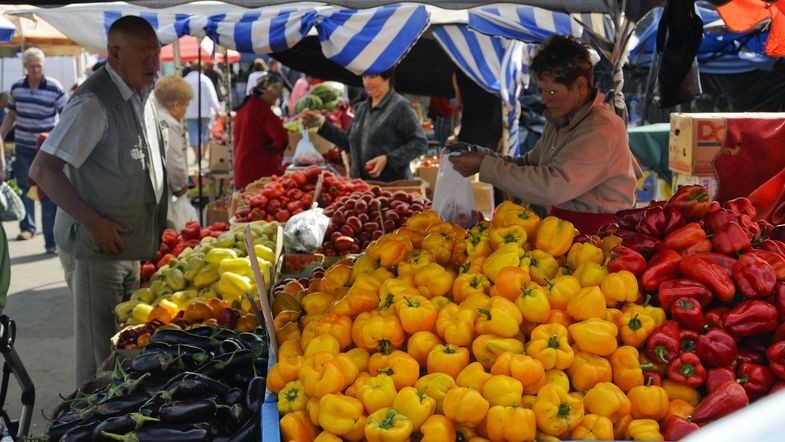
300 89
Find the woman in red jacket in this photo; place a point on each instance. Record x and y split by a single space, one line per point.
259 135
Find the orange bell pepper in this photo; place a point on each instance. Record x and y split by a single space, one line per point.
590 274
448 359
503 390
433 280
437 428
416 260
326 436
644 429
507 235
340 327
376 392
416 313
325 373
466 284
501 317
559 317
285 370
588 370
465 406
312 410
342 415
510 424
414 236
376 332
360 358
562 290
436 385
524 368
588 303
607 399
594 335
321 343
626 367
354 302
472 376
542 266
648 402
420 222
580 253
289 348
388 425
335 278
621 286
401 367
393 251
440 240
487 348
554 236
508 255
456 325
363 264
679 407
415 405
296 426
557 412
674 390
593 427
550 346
510 281
317 303
352 390
420 345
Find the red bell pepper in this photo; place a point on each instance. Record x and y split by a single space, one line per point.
741 206
756 379
751 318
776 388
776 262
773 245
754 276
688 340
192 230
662 267
676 428
688 314
751 228
765 228
716 348
146 271
646 245
779 333
673 220
164 260
628 219
724 400
718 218
702 246
652 377
625 258
170 237
724 261
710 274
692 201
671 290
750 355
684 237
776 356
653 222
663 343
607 230
779 299
731 239
718 376
778 232
687 370
714 316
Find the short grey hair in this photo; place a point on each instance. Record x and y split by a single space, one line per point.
33 53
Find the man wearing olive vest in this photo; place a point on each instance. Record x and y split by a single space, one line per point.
103 166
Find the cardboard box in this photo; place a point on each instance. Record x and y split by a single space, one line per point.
417 186
218 156
483 199
696 139
428 174
216 211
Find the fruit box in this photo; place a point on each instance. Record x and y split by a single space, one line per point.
302 265
416 186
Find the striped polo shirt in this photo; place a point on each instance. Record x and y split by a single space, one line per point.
36 109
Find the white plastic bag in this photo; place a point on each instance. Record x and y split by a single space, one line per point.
304 232
180 212
11 206
305 154
453 198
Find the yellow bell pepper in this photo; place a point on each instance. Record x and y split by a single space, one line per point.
554 236
335 278
648 402
508 255
420 345
352 390
401 367
337 326
613 315
456 325
433 280
342 416
376 332
323 373
415 405
533 303
292 398
500 317
590 274
317 303
206 275
233 287
550 346
388 425
326 436
360 358
475 301
473 376
487 348
527 370
593 427
289 348
588 303
376 392
562 290
644 429
635 326
607 399
507 235
416 313
503 210
297 427
580 253
656 313
524 217
393 290
511 424
465 406
420 222
354 302
416 260
557 412
438 428
239 266
558 377
588 370
503 390
594 335
466 284
393 251
326 343
626 367
478 244
440 242
218 254
620 427
674 390
621 286
542 266
436 385
285 370
528 400
448 359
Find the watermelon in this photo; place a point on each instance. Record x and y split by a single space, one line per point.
312 102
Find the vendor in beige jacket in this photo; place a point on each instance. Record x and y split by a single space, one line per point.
582 167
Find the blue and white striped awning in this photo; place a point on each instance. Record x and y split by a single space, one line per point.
524 23
7 30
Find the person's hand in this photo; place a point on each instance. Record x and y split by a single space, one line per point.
452 139
468 163
2 168
311 118
106 236
375 166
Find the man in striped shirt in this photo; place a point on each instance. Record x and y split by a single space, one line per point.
36 101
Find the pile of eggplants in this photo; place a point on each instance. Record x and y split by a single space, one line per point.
202 384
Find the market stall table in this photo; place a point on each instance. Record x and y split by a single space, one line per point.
649 144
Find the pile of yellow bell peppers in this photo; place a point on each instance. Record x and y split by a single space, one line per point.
509 331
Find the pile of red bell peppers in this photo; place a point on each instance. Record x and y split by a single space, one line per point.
173 243
719 274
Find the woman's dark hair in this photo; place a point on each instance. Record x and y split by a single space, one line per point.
563 58
389 74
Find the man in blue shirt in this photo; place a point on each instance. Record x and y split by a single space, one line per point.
36 101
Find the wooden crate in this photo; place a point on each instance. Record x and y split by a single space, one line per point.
417 186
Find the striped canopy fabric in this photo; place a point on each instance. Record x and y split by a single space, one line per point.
7 30
525 23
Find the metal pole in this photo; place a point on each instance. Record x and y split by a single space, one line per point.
199 126
178 65
228 125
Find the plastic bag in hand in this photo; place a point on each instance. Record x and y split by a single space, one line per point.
304 232
11 206
453 198
305 154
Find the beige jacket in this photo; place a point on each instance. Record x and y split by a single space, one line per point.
584 165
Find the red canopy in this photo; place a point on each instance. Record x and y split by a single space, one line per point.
189 47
